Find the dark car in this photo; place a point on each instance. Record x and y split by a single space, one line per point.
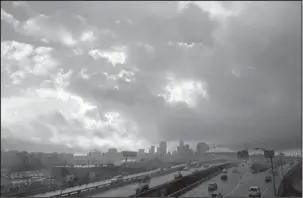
267 178
216 194
143 185
223 177
212 187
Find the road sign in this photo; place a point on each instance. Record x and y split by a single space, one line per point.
129 154
243 154
269 153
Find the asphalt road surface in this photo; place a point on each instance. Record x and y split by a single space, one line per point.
131 188
57 192
238 183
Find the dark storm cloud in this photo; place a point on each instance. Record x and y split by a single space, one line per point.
251 63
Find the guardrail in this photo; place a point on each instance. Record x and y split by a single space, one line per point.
104 187
192 186
286 188
179 186
38 191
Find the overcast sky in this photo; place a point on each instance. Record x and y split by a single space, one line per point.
82 75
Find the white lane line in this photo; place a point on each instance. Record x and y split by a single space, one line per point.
264 192
238 185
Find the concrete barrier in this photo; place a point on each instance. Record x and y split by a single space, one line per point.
179 186
286 188
105 187
192 186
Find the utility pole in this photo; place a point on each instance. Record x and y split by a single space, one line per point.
281 163
270 154
273 175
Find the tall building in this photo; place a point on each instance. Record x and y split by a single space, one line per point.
152 150
158 150
202 147
181 145
112 150
163 147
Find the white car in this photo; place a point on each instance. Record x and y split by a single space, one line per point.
254 191
178 175
117 179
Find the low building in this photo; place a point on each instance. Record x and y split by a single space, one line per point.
214 153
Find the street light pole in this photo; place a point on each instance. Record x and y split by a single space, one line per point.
281 163
273 175
272 167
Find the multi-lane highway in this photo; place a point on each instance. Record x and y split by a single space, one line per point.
58 192
131 189
116 192
238 183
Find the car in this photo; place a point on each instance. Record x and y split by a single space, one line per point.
254 191
224 177
206 165
195 170
212 187
235 170
117 179
224 171
178 175
186 168
143 185
216 194
267 178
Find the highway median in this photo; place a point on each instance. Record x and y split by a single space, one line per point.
181 186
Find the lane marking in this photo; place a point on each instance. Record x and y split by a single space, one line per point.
264 192
240 183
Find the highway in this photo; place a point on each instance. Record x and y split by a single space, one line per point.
131 189
238 183
58 192
75 188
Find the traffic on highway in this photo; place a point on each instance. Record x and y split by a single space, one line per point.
240 182
131 189
104 182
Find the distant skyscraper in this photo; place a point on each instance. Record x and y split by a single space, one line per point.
202 147
163 147
158 149
112 150
152 150
181 144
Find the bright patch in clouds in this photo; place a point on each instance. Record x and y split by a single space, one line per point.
186 91
18 60
116 56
